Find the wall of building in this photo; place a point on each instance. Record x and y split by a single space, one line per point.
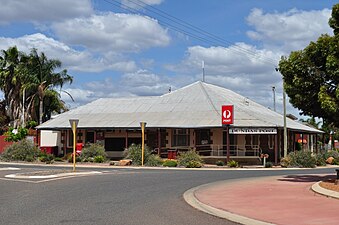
217 137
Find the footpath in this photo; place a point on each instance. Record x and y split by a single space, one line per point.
287 199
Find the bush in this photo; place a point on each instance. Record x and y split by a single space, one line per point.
89 152
232 163
220 163
285 162
58 159
302 159
23 150
194 164
153 160
70 158
190 159
326 155
99 159
170 163
320 160
46 158
20 134
268 165
133 152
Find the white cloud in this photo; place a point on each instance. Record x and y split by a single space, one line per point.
238 58
138 4
72 59
290 30
43 10
113 32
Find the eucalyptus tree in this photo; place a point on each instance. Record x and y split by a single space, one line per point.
311 75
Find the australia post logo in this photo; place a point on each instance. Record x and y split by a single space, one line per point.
227 114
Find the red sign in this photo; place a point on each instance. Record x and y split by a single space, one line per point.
227 114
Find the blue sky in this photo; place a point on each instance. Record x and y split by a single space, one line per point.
116 48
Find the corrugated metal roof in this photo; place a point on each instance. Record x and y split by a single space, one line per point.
196 105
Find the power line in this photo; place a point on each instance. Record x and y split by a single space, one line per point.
195 28
181 26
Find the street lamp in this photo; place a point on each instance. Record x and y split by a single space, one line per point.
142 125
74 124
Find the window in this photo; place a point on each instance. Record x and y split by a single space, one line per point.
89 136
180 137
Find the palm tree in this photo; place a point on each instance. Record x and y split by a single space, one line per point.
41 79
11 62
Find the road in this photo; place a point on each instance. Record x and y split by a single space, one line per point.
117 196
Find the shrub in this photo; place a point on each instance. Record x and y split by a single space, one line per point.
58 159
91 151
190 159
285 162
20 134
232 163
220 163
302 159
99 159
70 158
326 155
170 163
153 160
268 165
47 158
194 164
320 160
133 152
23 150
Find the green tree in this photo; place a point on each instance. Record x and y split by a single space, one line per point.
33 75
311 75
11 63
41 82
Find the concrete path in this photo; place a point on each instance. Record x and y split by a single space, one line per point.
271 200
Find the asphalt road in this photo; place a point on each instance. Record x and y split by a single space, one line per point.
118 196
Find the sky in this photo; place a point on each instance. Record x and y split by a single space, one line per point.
121 48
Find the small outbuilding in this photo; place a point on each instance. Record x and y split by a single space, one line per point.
188 118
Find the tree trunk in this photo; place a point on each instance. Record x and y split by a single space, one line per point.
41 105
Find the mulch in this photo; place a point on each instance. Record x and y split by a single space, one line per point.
330 185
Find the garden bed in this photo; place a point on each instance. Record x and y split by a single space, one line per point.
329 185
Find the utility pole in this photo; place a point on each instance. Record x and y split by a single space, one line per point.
274 106
285 125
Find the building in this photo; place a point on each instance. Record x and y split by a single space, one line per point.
189 117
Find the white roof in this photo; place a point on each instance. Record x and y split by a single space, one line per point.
194 106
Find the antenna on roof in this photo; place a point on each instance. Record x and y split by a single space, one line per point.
203 70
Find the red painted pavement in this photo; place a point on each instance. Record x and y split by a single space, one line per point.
278 200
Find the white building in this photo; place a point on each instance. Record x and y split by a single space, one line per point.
189 117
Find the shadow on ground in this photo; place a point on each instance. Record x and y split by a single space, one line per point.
306 178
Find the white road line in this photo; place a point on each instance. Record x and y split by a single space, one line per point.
9 168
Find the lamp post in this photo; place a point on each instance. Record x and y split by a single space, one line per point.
74 124
142 125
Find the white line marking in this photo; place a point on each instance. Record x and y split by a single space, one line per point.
9 168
